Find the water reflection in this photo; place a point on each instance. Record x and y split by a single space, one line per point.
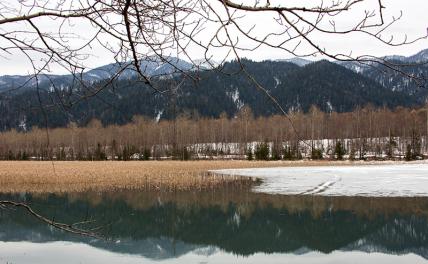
235 223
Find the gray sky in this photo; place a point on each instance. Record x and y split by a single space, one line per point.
414 23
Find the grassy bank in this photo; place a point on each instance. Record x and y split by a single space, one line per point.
79 176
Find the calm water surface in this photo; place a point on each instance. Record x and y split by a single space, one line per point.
227 226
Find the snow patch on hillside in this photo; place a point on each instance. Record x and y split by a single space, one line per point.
158 115
329 107
96 76
235 97
277 81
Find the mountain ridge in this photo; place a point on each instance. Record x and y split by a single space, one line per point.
153 66
324 84
149 67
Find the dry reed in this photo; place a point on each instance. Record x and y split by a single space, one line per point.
79 176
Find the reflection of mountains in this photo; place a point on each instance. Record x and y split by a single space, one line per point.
164 230
399 236
153 248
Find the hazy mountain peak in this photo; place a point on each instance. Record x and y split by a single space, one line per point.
421 56
298 61
150 66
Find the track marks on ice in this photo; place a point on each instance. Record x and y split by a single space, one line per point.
322 187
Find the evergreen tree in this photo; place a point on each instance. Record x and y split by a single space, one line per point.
99 153
262 151
276 153
409 155
352 153
249 154
390 147
146 154
316 154
287 153
339 150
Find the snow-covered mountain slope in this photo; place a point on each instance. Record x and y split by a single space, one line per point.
149 67
298 61
408 76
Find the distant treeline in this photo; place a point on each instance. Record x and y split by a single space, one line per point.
366 133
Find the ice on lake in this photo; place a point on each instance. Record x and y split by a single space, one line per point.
364 180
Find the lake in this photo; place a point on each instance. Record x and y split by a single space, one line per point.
229 225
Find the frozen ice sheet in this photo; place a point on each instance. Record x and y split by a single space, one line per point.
367 180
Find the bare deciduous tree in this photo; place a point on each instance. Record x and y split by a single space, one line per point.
64 33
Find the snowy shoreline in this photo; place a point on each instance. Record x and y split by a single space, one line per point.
374 179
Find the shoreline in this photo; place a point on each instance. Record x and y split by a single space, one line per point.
168 176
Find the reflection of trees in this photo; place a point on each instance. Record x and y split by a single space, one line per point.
266 228
247 202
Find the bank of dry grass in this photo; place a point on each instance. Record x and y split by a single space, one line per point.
79 176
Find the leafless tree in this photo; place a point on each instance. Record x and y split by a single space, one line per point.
64 33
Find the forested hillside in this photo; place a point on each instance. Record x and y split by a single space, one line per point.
329 86
399 79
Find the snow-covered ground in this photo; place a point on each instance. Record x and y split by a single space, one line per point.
367 180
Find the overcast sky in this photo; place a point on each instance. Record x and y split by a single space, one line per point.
414 23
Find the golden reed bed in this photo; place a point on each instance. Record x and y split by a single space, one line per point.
79 176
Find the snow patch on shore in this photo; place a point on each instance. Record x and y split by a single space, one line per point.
409 180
